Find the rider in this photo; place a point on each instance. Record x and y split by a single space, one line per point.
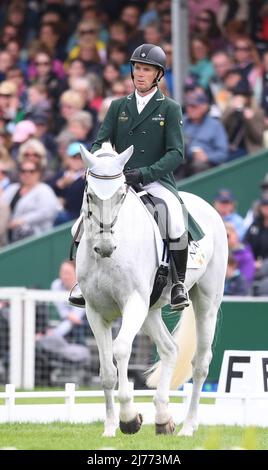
152 123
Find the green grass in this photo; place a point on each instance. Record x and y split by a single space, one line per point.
65 436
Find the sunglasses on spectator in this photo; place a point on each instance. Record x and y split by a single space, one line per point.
31 154
25 171
87 31
42 63
6 95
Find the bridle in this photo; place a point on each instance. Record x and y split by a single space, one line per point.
102 226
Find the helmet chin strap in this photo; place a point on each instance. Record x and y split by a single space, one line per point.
155 82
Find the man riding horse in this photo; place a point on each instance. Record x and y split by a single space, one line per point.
152 123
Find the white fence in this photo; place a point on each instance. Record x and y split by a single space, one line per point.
247 409
21 320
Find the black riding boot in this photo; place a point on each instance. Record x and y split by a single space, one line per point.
179 254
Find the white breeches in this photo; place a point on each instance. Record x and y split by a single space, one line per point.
176 225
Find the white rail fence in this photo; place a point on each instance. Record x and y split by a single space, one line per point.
21 318
22 315
229 408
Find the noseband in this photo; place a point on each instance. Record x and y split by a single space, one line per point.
103 227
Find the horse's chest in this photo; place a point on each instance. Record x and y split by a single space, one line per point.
106 287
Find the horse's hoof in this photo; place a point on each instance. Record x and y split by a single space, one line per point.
166 428
131 427
187 430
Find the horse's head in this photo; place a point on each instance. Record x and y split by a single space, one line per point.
104 193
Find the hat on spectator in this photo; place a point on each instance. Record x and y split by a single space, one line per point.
8 88
73 149
224 195
23 130
196 97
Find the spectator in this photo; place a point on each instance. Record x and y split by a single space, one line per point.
88 33
222 63
33 204
206 25
257 234
241 253
33 150
205 137
9 101
69 185
248 61
201 64
46 71
244 122
5 64
235 283
73 325
111 72
225 204
130 15
254 210
70 102
196 7
81 127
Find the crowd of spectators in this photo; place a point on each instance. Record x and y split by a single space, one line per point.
63 62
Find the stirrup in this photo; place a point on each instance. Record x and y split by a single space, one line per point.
76 300
182 300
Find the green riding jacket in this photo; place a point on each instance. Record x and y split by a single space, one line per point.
155 133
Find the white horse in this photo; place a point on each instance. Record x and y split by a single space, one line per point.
116 265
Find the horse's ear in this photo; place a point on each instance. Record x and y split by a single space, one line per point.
88 158
125 156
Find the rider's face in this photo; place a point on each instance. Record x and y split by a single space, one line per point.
144 75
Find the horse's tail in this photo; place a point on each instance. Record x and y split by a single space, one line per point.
185 338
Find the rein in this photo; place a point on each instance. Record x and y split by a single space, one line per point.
103 227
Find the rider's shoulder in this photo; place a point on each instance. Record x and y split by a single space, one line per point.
172 104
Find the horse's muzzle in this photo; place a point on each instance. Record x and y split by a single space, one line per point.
104 250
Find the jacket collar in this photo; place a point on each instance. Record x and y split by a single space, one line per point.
153 104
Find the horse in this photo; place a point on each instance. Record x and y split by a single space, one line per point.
116 262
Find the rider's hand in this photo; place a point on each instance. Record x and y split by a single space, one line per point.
133 176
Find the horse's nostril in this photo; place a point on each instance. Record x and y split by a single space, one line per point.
96 248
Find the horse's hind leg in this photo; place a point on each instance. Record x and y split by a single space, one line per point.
167 350
133 315
206 311
103 335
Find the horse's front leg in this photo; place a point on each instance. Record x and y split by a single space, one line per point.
108 374
167 350
133 315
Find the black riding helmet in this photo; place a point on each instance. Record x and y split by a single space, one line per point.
150 54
